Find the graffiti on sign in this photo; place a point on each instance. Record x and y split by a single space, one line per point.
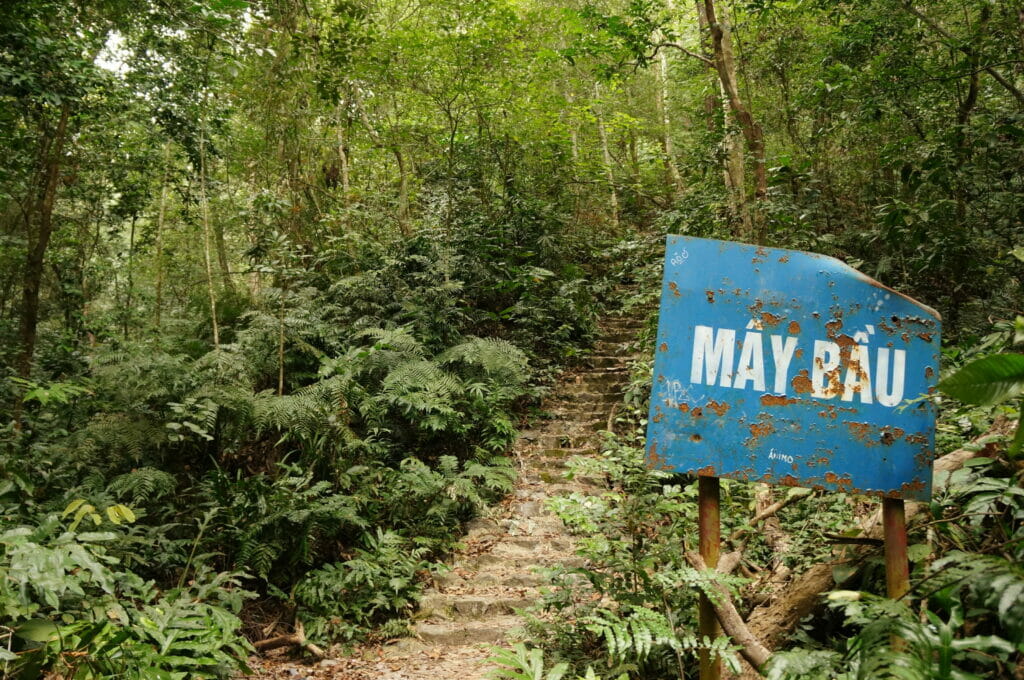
791 368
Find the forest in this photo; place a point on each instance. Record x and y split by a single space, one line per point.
310 309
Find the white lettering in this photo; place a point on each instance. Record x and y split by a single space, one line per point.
782 354
858 375
712 355
775 455
751 366
890 395
822 368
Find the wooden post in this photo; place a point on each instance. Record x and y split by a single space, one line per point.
897 566
709 524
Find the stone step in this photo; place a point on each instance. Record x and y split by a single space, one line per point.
555 478
532 509
583 412
632 318
461 607
604 375
606 361
536 561
451 633
550 441
574 395
618 336
605 380
621 324
608 329
592 487
623 349
558 543
490 578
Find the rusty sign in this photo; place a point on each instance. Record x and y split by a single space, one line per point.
791 368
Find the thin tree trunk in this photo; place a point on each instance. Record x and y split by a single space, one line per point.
160 235
575 150
53 147
667 146
280 346
222 257
403 170
752 133
343 160
733 172
126 319
403 193
207 255
607 157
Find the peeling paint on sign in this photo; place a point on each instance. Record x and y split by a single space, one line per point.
791 368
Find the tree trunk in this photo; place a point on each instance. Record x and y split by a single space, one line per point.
343 160
160 235
207 255
667 147
39 240
607 157
126 319
222 257
403 193
725 65
280 345
733 171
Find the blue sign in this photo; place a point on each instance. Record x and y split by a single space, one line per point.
791 368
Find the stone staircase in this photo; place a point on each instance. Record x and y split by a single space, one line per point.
474 605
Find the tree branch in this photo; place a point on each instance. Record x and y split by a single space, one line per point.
756 654
296 639
699 57
958 44
796 495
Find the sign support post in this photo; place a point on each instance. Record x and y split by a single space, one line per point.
709 527
897 565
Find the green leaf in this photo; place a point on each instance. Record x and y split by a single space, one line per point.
987 381
918 552
37 630
72 506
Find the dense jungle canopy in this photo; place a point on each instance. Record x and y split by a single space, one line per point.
282 281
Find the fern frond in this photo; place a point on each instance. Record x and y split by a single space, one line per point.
497 358
142 485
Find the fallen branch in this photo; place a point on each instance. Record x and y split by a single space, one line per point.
853 540
792 497
751 649
772 621
296 639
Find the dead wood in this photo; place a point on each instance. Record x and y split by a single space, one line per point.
772 621
296 639
751 649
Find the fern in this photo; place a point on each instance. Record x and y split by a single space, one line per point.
113 440
373 588
520 663
994 583
932 650
633 635
304 413
391 348
499 359
804 663
142 485
421 388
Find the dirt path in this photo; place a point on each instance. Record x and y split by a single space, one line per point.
473 606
